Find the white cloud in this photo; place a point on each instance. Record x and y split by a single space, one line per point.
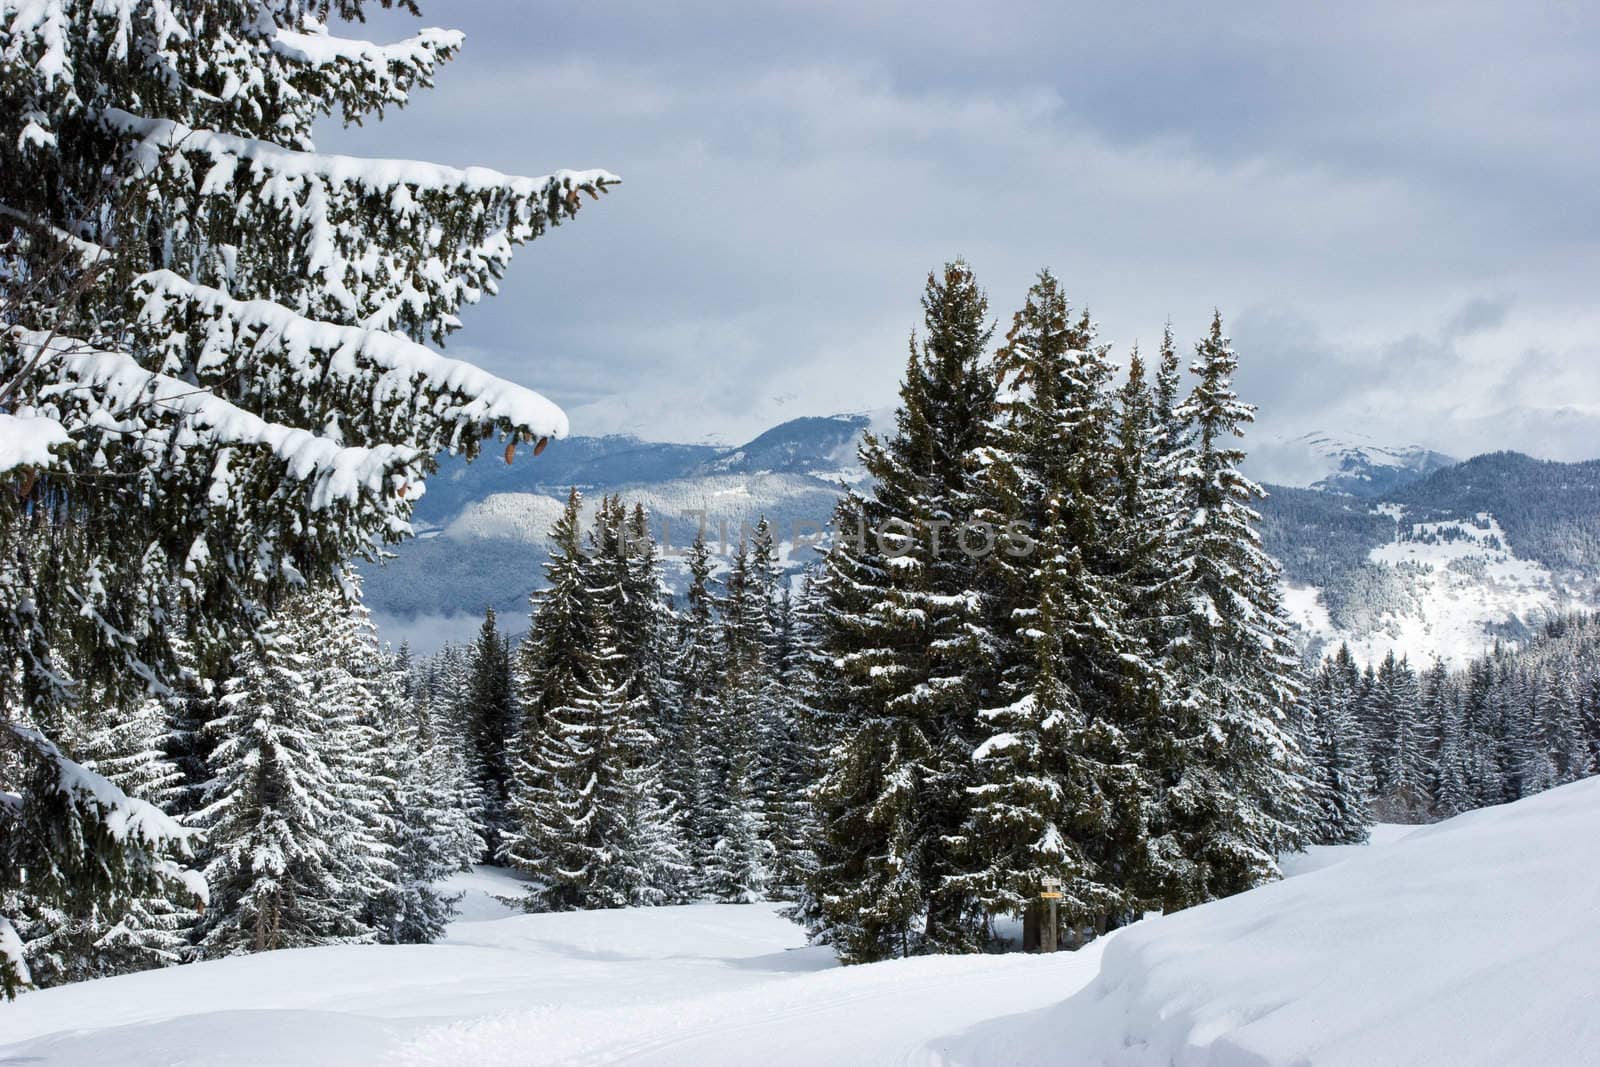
1396 210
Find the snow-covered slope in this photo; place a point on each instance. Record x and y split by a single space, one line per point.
1467 943
1470 942
724 501
1449 590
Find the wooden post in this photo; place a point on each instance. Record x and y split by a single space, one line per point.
1050 935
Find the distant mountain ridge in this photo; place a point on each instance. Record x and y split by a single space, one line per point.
811 445
1350 463
1381 546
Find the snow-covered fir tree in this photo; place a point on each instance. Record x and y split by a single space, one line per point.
426 838
912 653
281 838
1234 795
737 761
213 352
1335 749
144 930
593 823
1404 773
553 665
441 766
1060 796
694 675
594 833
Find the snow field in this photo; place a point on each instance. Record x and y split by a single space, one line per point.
1471 942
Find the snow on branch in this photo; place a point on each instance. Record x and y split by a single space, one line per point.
12 957
315 47
87 253
359 76
155 37
43 25
449 232
205 328
129 820
164 412
380 176
26 440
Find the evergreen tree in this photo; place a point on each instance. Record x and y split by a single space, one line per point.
281 838
491 724
1479 735
213 336
691 752
911 656
1061 796
1336 754
1232 794
1049 796
437 771
554 663
1404 769
444 695
425 835
740 863
595 830
132 934
595 825
790 759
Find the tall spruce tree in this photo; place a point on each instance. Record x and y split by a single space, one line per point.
284 838
1404 769
913 652
692 753
491 714
553 667
741 858
423 836
1061 796
1336 755
1232 794
595 832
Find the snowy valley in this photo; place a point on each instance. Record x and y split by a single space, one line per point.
1468 943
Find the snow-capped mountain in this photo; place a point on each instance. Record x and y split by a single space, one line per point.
482 526
1349 463
1383 547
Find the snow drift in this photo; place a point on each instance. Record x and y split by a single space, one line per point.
1470 942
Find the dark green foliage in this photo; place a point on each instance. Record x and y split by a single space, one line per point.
491 715
1059 793
912 653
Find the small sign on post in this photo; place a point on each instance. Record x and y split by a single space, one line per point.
1050 892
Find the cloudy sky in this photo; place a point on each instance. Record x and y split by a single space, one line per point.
1395 206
